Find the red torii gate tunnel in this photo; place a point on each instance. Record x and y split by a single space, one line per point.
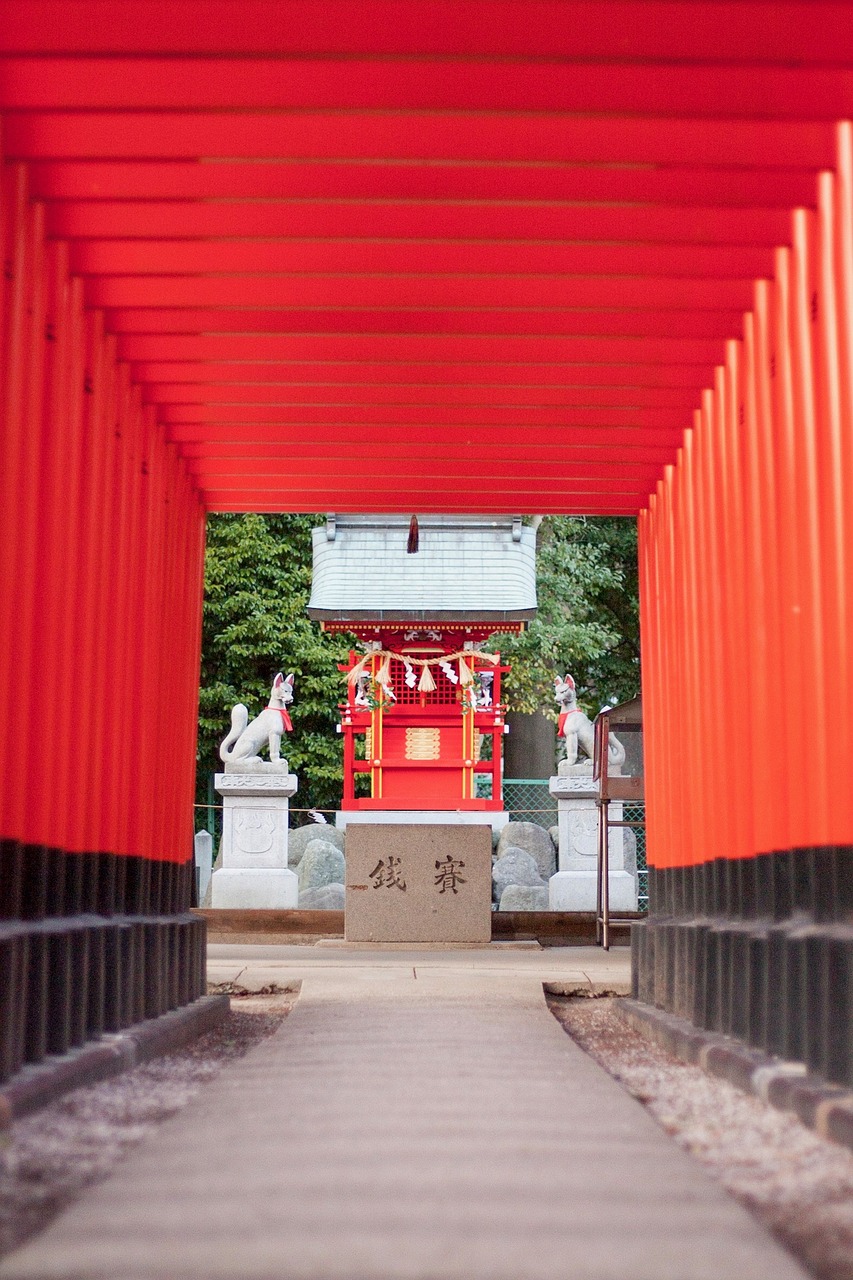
452 256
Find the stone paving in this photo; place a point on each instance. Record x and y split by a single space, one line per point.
416 1118
572 967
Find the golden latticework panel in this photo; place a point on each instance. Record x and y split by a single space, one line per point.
423 744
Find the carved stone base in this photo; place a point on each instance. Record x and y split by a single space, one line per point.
244 888
578 890
574 887
254 873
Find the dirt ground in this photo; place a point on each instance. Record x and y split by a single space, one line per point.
52 1155
798 1184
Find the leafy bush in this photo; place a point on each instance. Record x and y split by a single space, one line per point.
257 584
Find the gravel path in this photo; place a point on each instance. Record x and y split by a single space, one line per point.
52 1155
799 1185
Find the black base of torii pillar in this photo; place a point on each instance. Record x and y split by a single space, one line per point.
90 943
758 948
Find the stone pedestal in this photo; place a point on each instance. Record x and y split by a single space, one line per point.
427 883
574 886
496 819
254 872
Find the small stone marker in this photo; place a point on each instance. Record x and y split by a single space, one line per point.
418 883
203 861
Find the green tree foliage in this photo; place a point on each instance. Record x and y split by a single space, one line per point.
257 583
588 618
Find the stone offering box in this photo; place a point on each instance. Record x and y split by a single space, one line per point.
408 883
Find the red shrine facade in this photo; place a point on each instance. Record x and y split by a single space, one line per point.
423 748
423 718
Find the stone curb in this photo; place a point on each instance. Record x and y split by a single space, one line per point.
38 1085
788 1086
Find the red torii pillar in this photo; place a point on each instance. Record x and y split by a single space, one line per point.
101 577
746 560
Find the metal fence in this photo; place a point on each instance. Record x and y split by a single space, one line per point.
636 814
529 800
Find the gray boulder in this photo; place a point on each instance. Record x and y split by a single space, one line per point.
300 837
524 897
325 897
514 867
321 863
534 840
554 833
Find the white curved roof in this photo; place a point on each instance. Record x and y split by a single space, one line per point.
467 568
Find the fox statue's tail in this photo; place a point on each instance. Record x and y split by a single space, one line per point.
239 720
615 750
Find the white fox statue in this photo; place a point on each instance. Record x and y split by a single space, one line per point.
577 728
268 727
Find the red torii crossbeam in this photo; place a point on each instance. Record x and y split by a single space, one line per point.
317 209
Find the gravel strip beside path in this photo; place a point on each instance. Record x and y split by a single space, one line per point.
798 1184
51 1156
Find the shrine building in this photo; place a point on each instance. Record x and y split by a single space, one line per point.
423 694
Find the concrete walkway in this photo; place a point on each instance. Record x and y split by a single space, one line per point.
569 967
426 1121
